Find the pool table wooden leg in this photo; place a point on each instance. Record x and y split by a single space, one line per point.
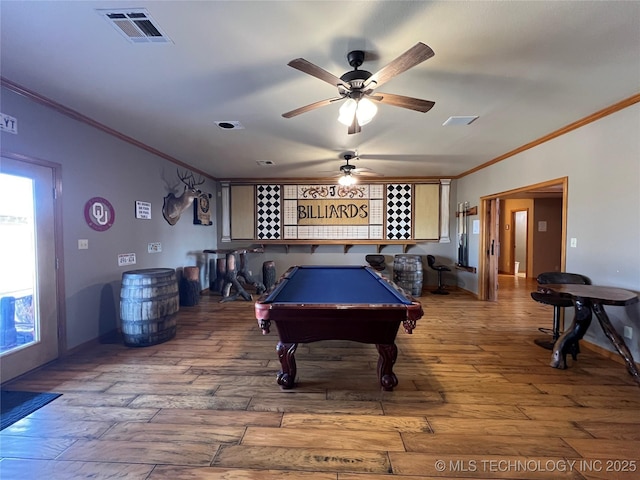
387 355
287 376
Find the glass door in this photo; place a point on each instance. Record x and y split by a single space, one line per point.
28 293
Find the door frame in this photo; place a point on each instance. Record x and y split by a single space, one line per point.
56 172
488 289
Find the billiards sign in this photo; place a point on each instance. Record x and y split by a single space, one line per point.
333 212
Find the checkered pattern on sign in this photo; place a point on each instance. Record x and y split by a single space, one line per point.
376 191
269 212
398 211
290 212
376 212
290 191
290 232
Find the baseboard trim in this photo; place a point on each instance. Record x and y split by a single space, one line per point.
615 356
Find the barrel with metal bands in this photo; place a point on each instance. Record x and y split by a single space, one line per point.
408 273
149 304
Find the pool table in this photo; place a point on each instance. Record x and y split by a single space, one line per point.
313 303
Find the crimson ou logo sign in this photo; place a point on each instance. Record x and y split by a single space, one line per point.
99 214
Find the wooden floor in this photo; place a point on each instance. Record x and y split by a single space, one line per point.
476 399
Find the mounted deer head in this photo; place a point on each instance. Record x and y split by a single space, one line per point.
174 206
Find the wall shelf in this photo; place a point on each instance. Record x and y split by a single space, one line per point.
469 211
347 244
466 269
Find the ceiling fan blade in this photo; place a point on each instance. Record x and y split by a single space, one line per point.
367 174
412 57
311 106
315 71
404 102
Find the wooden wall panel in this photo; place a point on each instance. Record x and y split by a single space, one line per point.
426 211
243 206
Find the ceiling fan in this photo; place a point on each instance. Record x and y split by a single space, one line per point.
357 86
348 171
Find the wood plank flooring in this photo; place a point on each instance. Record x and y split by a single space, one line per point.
476 399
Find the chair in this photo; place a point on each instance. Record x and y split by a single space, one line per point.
431 260
558 302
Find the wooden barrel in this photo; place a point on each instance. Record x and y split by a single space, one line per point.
408 273
149 303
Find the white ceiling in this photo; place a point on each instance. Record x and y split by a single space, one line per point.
526 68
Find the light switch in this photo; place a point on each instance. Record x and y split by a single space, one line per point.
574 242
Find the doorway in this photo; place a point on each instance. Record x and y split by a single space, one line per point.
29 314
490 217
520 234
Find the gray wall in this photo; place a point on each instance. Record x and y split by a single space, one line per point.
95 164
602 162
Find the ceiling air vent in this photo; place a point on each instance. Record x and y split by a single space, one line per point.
136 25
229 124
464 120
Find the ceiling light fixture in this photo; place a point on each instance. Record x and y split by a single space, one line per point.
363 109
347 179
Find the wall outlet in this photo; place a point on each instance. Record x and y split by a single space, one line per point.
83 244
154 247
628 332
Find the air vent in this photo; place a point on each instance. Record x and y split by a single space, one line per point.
230 125
466 120
136 25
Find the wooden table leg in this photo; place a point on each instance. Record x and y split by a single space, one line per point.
568 341
221 273
243 272
617 340
231 280
287 376
387 355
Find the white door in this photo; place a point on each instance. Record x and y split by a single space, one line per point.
28 278
520 234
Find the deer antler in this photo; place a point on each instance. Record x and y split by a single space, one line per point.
189 180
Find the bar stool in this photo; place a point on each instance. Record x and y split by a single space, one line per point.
376 262
558 302
431 260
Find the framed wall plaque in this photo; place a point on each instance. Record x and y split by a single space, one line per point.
202 210
99 214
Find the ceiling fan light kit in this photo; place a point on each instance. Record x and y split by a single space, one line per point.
357 87
347 180
363 109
